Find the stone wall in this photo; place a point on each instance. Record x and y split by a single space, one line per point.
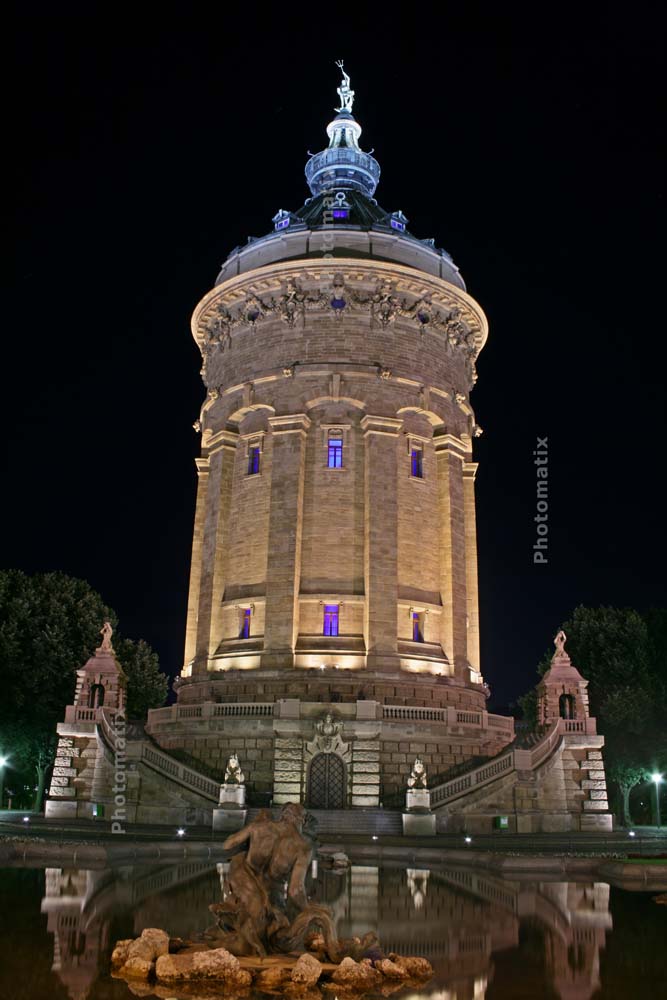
368 536
276 748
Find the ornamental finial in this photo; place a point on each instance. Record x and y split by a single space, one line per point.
344 92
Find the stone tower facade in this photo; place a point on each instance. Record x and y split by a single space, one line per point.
334 565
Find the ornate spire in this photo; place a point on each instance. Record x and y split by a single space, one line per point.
343 166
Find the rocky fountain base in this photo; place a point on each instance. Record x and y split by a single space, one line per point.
155 964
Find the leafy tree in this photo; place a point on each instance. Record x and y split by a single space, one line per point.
49 626
146 686
626 776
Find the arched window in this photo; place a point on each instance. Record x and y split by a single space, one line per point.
566 706
96 697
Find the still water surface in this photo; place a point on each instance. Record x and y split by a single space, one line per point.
485 936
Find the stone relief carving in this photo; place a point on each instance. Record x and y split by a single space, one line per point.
327 737
338 295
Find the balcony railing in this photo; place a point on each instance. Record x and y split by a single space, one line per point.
210 710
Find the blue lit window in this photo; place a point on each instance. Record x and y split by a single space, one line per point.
331 619
416 465
282 223
395 224
341 213
335 453
253 460
417 626
245 623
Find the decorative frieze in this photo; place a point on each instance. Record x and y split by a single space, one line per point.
305 291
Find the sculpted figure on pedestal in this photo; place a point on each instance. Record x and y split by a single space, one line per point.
417 777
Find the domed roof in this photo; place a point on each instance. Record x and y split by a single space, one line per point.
342 179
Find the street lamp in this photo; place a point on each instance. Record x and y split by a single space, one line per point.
3 763
656 778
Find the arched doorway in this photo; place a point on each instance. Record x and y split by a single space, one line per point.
326 782
566 706
96 697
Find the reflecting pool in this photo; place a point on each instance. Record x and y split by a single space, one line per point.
486 937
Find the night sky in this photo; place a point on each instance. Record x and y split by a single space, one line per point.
527 140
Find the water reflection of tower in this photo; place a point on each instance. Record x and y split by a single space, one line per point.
573 950
80 939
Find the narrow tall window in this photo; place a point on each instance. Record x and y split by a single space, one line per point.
331 619
417 626
416 466
335 453
245 623
253 460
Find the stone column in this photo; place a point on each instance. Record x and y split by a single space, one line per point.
221 452
283 567
381 541
450 456
472 598
195 566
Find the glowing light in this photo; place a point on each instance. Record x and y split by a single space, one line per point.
468 840
26 819
632 833
180 832
375 836
3 761
656 777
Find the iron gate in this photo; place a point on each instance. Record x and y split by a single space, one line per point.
326 782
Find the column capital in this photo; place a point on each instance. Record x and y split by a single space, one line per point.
371 424
470 470
203 466
449 444
291 423
221 439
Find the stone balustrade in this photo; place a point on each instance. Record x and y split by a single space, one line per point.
209 710
450 717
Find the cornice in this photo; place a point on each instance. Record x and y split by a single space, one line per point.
293 290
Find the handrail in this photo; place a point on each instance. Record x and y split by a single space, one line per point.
513 760
161 762
171 768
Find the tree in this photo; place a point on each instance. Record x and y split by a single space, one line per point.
626 776
146 686
49 627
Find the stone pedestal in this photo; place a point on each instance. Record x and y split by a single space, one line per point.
229 820
418 824
60 809
232 795
418 820
417 798
231 814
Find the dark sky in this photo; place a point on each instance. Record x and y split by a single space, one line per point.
527 140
